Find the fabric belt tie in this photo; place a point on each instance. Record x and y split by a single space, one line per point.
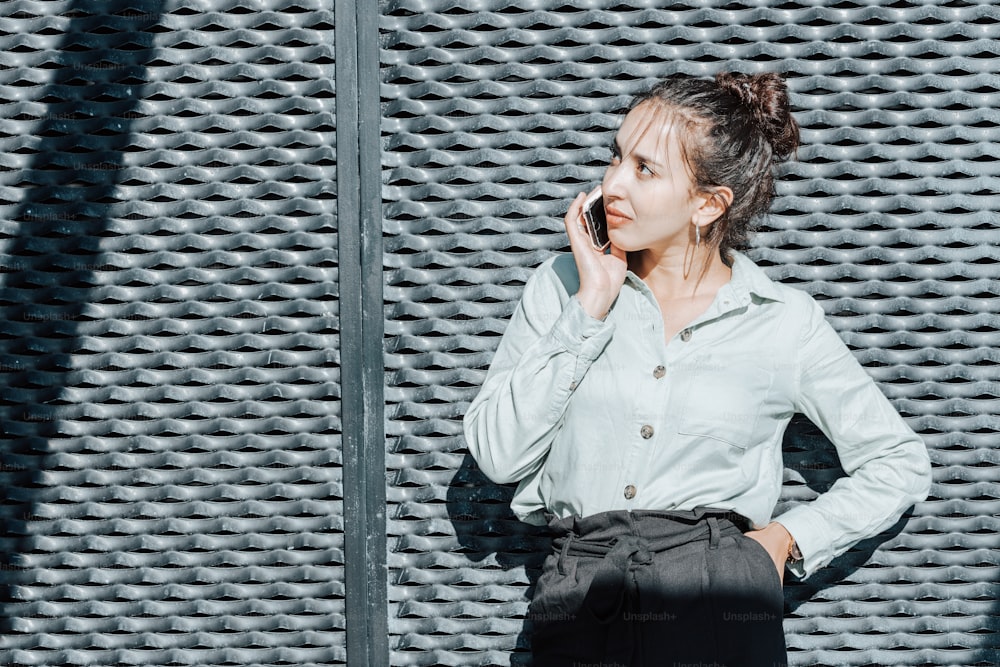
614 582
614 591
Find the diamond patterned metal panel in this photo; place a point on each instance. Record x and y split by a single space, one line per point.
497 114
169 384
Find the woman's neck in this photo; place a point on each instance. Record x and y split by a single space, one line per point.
672 275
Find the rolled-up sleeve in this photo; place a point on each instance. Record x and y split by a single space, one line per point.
887 463
546 349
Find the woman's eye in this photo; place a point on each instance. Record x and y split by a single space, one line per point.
644 168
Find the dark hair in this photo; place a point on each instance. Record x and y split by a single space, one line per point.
732 131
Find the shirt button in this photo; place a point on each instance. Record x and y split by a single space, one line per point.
646 431
686 335
629 492
659 372
572 385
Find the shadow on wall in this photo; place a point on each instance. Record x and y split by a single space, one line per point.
489 533
487 529
50 253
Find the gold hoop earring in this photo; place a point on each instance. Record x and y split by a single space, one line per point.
697 235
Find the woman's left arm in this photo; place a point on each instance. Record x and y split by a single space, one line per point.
886 461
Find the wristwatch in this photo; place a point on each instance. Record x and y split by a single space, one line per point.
794 554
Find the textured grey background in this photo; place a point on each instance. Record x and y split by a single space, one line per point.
169 387
169 337
498 113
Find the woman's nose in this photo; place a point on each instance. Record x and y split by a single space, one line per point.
613 184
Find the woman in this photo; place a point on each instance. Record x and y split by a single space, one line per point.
639 398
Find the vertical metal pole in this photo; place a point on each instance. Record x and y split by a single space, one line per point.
359 214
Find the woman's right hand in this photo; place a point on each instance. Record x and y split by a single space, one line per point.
601 275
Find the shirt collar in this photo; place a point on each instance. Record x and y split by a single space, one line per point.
748 278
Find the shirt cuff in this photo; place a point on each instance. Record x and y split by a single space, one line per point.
806 528
579 333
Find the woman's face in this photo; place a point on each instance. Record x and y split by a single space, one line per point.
647 188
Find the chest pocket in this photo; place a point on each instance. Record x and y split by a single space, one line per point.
724 405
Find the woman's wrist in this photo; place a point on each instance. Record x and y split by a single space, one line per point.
791 549
592 305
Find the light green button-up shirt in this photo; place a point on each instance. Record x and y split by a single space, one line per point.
594 415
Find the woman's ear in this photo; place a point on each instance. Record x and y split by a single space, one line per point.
713 204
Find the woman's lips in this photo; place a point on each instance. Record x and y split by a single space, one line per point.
615 217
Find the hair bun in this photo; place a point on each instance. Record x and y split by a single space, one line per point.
766 98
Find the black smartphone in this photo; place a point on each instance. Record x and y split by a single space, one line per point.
597 221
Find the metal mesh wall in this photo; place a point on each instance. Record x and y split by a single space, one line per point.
169 386
497 114
169 336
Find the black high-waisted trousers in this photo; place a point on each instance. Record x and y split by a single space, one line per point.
663 589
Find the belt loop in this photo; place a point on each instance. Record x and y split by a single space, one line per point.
713 532
564 552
